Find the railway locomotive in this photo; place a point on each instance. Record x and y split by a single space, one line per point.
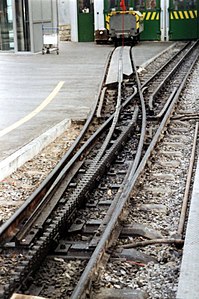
122 22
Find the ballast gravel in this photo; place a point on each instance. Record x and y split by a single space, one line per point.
164 184
16 188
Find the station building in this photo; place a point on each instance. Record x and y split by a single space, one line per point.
164 20
21 23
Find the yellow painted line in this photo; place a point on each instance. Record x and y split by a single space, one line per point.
171 16
157 18
34 112
186 14
196 13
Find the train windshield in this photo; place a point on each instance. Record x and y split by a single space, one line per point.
117 4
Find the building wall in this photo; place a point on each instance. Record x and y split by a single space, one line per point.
64 12
42 13
98 17
64 20
21 23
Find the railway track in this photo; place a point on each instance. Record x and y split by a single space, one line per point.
80 211
32 232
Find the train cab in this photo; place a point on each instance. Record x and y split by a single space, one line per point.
121 22
147 20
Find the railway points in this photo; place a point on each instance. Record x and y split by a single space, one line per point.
158 176
99 149
35 82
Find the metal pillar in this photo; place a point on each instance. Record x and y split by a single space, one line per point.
164 20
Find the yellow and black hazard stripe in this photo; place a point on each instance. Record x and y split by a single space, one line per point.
183 14
151 15
107 20
138 17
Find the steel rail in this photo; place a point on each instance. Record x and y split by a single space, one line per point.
88 274
186 116
165 119
85 282
169 75
188 183
143 126
34 257
6 229
36 219
135 162
21 236
39 249
60 181
161 113
120 206
165 65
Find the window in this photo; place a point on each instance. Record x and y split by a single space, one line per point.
183 4
178 4
191 4
150 4
6 29
139 5
85 6
22 22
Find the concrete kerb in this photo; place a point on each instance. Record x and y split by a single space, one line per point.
17 159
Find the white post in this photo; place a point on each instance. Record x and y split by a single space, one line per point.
31 26
99 14
14 26
167 20
164 20
74 22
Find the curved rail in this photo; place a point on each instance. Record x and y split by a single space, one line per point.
103 244
7 229
170 74
164 66
85 282
52 232
119 203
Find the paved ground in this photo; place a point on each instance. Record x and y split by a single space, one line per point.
27 80
146 51
188 287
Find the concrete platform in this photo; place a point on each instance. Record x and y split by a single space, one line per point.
188 286
58 86
121 53
39 92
